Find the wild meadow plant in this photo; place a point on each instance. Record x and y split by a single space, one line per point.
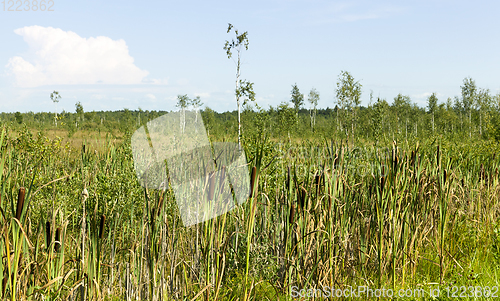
318 213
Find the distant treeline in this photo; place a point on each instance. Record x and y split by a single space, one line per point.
475 114
401 119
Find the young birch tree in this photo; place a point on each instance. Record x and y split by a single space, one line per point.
348 94
313 99
244 88
432 106
182 103
196 104
55 99
469 95
297 99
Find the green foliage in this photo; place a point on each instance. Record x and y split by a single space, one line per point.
79 111
469 94
245 91
241 40
19 117
348 92
296 98
244 88
287 118
313 100
196 102
182 101
55 97
432 103
357 210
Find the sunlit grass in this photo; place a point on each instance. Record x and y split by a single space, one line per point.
321 213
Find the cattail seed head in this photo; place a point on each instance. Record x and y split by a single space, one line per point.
292 214
437 155
48 234
222 178
101 226
160 205
317 179
20 202
211 185
57 240
288 179
302 197
382 183
4 285
253 182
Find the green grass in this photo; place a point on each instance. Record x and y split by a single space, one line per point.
323 213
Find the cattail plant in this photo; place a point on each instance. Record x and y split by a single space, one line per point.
211 185
85 195
20 202
57 240
253 182
48 235
291 217
288 179
222 178
101 226
302 195
438 158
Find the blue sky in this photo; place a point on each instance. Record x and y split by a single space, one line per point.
111 55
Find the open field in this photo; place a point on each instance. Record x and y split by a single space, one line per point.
324 213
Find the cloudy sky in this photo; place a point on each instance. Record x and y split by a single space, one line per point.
111 55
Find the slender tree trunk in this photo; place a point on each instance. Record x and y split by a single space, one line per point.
432 121
238 99
338 127
480 124
470 124
352 129
56 114
406 134
310 115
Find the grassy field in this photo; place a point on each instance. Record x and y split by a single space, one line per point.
324 213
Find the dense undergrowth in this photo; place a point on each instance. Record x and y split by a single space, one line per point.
76 224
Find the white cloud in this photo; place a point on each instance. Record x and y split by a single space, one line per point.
151 96
63 57
155 81
182 82
202 95
98 96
